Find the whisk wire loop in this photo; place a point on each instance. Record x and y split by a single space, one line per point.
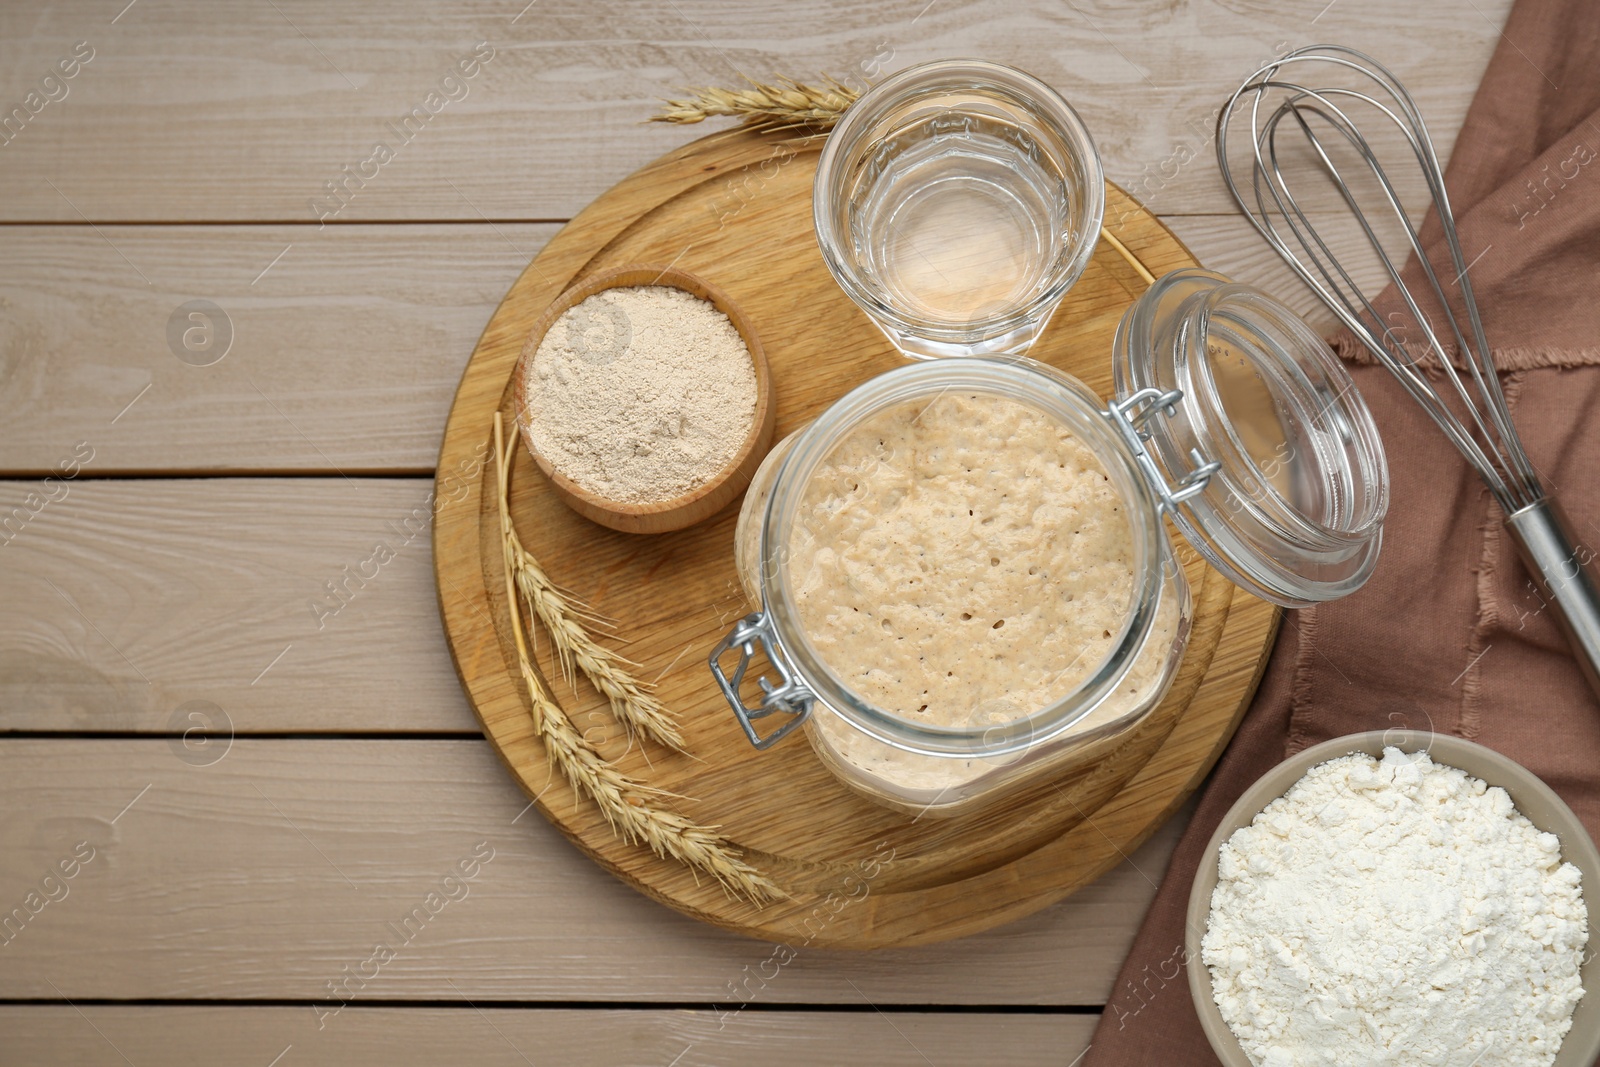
1478 422
1434 344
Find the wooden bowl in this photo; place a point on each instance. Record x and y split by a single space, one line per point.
699 503
1533 798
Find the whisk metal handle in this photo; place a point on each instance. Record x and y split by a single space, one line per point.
1567 578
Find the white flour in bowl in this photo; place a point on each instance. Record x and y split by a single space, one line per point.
1395 912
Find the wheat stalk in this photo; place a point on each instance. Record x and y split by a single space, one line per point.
633 705
781 106
630 807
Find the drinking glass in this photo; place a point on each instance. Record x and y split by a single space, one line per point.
956 203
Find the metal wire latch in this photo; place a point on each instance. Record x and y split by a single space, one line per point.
791 697
1128 415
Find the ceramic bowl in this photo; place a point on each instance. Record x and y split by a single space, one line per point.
1533 799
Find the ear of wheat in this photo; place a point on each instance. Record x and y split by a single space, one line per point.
632 808
633 705
784 105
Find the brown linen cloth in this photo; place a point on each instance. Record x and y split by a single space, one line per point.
1448 635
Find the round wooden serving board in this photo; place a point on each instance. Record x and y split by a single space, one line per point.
735 209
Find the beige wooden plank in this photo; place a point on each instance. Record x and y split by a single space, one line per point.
191 111
169 569
515 1037
344 354
271 871
124 605
1230 246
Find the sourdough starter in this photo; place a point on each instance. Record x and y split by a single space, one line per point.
965 562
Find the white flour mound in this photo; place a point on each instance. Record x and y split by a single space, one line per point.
1395 912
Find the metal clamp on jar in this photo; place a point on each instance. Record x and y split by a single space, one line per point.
1231 416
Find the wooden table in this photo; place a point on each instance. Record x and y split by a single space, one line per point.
270 778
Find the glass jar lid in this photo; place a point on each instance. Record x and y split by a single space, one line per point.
1273 467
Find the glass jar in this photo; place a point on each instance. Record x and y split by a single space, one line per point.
955 203
1232 417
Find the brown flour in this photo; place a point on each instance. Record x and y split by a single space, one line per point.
641 394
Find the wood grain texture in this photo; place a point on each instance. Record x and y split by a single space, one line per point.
244 111
1231 246
159 565
485 1036
268 872
344 355
232 117
123 602
355 340
676 594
